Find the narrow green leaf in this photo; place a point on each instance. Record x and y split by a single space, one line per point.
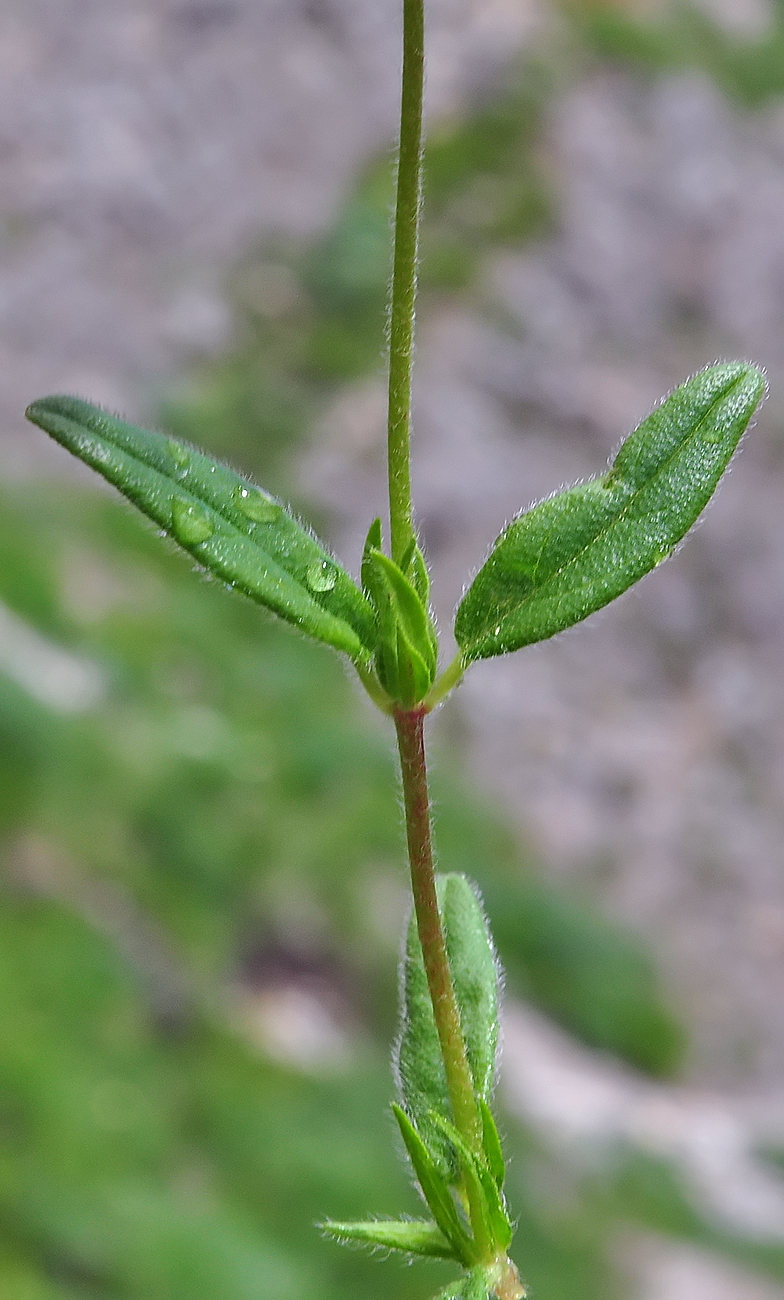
235 530
491 1144
499 1229
572 554
434 1189
412 1236
419 1067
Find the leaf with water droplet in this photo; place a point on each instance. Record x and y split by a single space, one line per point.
321 575
191 521
255 504
419 1066
237 532
181 456
575 552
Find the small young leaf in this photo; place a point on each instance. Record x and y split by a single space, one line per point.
434 1189
413 1236
498 1227
406 657
575 552
491 1144
236 531
419 1067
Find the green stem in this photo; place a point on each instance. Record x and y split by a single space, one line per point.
401 320
410 722
413 766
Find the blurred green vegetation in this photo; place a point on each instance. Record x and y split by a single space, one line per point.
222 823
683 37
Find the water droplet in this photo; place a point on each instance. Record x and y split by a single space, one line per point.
321 575
256 505
181 457
191 522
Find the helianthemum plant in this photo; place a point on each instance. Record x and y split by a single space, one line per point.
552 566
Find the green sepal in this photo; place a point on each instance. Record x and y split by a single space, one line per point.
244 537
407 648
419 1067
472 1286
412 1236
475 1171
434 1189
491 1144
578 550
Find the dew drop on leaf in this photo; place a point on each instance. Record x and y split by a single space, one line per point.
321 575
191 522
256 505
181 457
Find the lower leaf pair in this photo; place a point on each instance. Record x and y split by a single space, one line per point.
447 1236
452 1176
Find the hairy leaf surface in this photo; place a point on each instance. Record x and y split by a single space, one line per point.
572 554
234 529
412 1236
419 1066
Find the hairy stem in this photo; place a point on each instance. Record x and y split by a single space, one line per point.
401 321
411 744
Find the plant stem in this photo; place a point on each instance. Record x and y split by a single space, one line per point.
413 766
401 320
410 722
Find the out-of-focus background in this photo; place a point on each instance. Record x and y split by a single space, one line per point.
201 866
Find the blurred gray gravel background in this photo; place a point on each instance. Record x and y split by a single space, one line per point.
144 145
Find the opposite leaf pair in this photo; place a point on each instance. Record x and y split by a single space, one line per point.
553 566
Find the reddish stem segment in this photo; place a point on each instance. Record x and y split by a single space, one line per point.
411 744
